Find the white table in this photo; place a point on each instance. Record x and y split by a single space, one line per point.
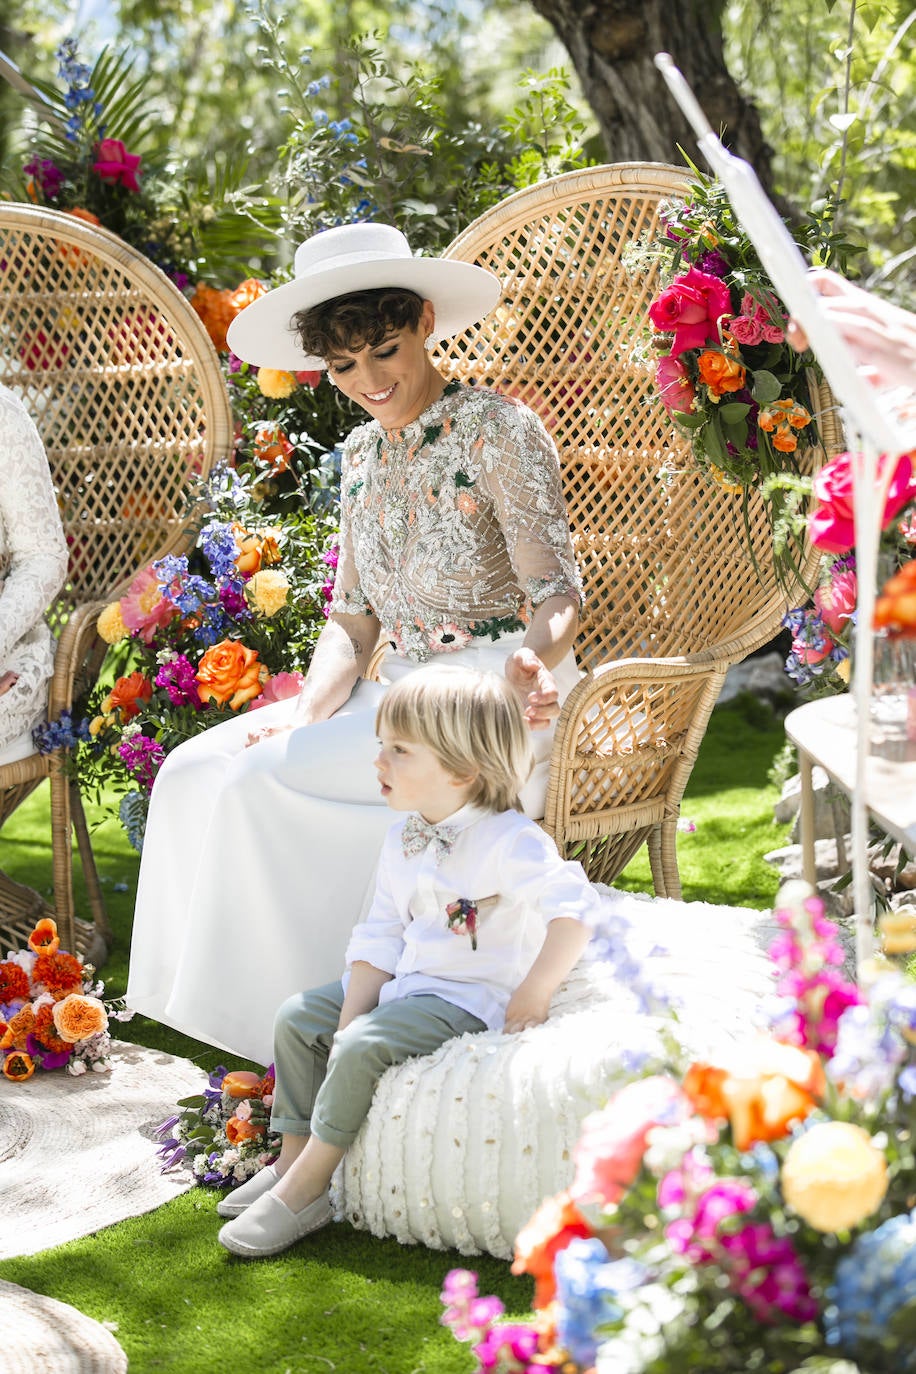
824 732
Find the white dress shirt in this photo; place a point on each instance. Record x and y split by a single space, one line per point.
504 857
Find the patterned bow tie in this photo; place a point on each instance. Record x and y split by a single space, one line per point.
417 834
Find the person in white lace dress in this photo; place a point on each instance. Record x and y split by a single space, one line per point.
454 540
33 566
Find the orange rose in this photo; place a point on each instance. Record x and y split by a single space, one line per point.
781 1085
17 1067
74 256
721 372
241 1083
19 1028
230 674
895 609
77 1017
44 938
238 1131
125 694
272 446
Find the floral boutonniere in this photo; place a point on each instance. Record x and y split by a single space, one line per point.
462 918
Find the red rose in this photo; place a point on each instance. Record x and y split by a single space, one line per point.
691 308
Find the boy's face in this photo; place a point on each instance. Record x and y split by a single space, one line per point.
413 779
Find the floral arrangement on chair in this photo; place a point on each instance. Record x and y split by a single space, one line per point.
729 379
753 1213
52 1014
223 1133
197 641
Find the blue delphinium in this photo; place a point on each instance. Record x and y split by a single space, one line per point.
588 1283
873 1297
220 549
63 733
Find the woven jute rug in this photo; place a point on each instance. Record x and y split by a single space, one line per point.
78 1154
39 1335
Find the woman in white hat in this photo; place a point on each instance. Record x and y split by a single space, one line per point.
453 539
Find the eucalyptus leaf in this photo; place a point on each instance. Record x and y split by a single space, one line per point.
733 411
766 387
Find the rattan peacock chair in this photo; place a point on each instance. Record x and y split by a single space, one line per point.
674 595
124 385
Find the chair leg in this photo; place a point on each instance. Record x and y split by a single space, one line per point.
62 856
654 846
90 872
672 878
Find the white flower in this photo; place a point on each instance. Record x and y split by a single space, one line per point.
243 1110
230 1157
667 1145
132 728
75 1068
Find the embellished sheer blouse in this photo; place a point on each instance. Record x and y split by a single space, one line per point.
455 526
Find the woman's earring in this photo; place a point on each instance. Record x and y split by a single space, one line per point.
430 342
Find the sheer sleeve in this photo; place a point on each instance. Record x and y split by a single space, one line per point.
31 536
348 597
521 470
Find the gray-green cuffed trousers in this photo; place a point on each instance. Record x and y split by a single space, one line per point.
331 1101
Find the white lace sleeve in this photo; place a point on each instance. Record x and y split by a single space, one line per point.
33 551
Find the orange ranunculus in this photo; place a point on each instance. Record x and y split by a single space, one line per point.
238 1131
46 1031
556 1222
781 419
255 550
19 1028
271 446
14 982
60 973
77 1017
230 674
895 609
217 309
44 939
17 1067
241 1083
125 694
722 372
780 1084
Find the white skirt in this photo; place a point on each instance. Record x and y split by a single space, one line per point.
257 862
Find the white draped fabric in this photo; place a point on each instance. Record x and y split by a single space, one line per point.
258 861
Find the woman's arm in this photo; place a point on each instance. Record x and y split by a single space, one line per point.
550 637
530 1002
882 336
341 656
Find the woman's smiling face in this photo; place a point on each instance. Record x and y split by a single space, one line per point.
395 380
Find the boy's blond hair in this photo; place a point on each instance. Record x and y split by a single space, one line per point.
471 721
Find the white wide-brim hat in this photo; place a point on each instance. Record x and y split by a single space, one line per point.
357 257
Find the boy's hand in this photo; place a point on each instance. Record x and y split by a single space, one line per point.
528 1006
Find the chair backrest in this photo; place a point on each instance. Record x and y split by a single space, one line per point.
665 552
123 383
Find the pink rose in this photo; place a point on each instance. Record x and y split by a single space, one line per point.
836 602
674 384
116 165
745 330
831 526
610 1149
691 308
278 688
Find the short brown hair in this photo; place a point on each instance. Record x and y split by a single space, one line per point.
472 722
361 319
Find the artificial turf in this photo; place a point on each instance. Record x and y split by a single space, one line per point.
341 1300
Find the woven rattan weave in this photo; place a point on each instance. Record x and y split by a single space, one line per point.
674 593
125 388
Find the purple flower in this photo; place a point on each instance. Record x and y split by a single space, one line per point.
142 757
233 602
767 1274
178 678
713 263
509 1349
47 176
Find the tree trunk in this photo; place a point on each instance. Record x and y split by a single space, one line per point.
612 44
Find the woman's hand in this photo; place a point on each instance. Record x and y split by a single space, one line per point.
536 686
882 337
7 680
268 732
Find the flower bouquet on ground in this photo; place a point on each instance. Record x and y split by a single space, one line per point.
753 1213
196 642
224 1134
51 1011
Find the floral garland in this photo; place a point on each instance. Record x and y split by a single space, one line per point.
753 1213
51 1011
224 1133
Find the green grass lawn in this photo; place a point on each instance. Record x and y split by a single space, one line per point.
340 1300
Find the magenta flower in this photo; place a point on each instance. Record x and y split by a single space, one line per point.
767 1274
142 757
836 602
509 1349
674 385
691 308
831 526
115 165
178 677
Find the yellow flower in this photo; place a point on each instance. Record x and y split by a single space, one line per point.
267 591
100 723
842 670
898 930
833 1176
723 480
275 384
110 624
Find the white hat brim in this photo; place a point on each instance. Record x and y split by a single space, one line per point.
263 333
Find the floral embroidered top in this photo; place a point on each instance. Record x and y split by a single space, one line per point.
455 526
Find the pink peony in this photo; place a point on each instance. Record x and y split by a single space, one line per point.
674 384
144 609
832 526
691 308
280 687
610 1149
836 602
115 165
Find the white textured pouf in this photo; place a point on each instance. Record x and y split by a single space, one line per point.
461 1147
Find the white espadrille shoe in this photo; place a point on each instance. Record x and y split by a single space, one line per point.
235 1203
268 1226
